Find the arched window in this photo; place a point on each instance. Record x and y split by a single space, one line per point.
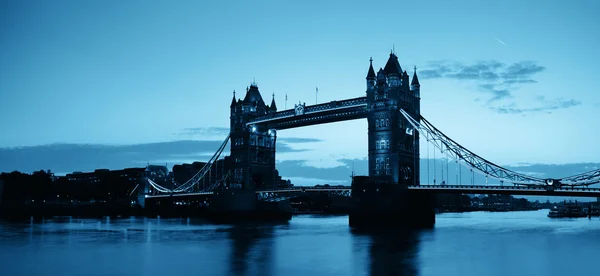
387 122
377 123
376 144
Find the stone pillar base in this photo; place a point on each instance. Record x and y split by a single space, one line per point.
384 204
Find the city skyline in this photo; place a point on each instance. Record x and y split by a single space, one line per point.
106 76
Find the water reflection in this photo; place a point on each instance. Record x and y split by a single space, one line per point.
251 249
392 252
521 243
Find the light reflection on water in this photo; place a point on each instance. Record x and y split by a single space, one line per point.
479 243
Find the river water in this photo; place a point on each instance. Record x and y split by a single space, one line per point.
478 243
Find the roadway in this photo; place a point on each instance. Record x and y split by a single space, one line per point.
442 189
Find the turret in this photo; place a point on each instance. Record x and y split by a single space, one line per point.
253 101
273 106
414 84
393 71
233 101
371 76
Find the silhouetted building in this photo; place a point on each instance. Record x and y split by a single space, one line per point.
107 184
282 183
1 189
89 177
184 172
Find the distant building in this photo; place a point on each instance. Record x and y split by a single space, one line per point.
107 183
282 183
223 167
184 172
1 189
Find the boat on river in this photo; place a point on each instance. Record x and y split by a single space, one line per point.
567 211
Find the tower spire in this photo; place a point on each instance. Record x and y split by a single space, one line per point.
233 100
371 73
273 106
415 79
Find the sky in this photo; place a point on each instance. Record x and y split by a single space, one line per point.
513 81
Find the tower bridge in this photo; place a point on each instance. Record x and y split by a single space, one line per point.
392 190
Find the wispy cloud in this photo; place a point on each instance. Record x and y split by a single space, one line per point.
545 106
498 80
500 41
293 140
204 132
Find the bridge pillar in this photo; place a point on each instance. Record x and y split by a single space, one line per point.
383 197
377 203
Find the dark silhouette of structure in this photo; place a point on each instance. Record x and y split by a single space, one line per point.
252 147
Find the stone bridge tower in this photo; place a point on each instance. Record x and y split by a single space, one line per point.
252 147
393 144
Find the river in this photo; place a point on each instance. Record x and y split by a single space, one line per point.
477 243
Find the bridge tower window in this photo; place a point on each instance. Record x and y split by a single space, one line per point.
387 122
377 123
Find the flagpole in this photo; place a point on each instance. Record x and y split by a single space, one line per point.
316 95
285 106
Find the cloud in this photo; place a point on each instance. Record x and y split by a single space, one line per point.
205 131
547 106
300 168
494 77
293 140
88 157
498 80
222 132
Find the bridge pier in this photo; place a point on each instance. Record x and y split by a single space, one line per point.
386 204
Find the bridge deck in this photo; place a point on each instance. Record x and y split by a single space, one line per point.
442 189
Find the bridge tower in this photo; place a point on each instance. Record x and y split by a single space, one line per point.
252 146
383 198
393 145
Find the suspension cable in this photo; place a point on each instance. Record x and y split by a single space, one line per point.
471 159
427 137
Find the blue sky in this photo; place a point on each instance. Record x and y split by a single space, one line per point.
514 81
